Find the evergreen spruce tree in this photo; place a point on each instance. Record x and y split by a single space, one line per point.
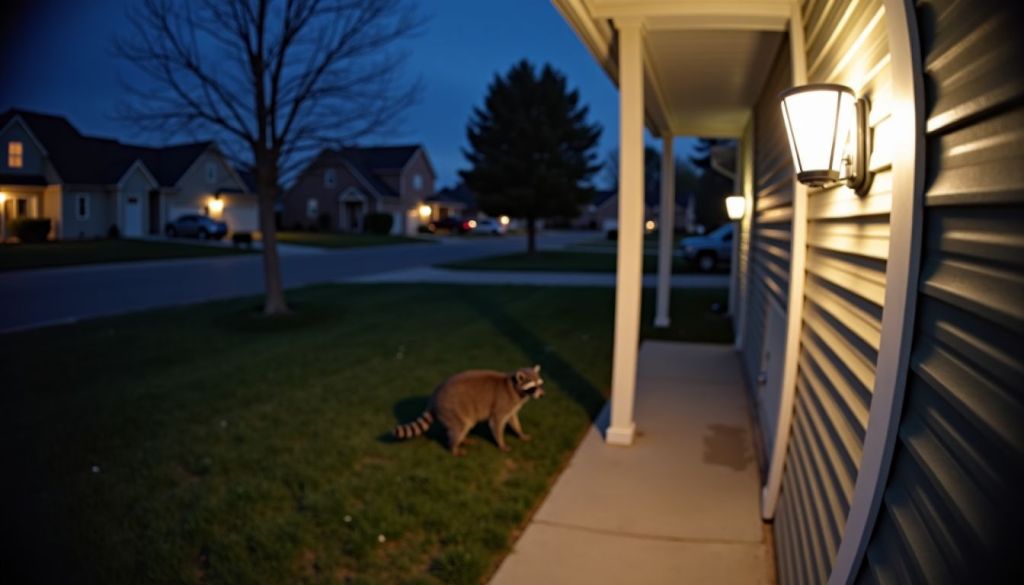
531 148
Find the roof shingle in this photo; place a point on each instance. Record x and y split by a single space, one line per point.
88 160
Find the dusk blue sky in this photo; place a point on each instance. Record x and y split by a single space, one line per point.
56 58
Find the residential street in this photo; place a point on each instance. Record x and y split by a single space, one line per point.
36 298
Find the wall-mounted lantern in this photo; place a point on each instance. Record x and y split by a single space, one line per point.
736 207
828 135
425 211
215 205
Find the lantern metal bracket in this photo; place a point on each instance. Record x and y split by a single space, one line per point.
858 174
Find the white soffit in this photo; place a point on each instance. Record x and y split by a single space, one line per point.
711 79
706 59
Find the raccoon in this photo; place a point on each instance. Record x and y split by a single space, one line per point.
473 396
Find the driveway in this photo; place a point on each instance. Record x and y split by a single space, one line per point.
36 298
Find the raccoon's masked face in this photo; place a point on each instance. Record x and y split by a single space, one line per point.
529 383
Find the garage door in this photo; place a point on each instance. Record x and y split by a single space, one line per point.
242 217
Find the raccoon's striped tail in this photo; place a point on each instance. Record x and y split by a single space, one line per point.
416 427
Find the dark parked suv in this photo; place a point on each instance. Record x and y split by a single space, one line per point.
450 225
193 225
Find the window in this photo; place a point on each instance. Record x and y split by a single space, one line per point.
312 208
211 172
15 154
417 182
329 178
81 207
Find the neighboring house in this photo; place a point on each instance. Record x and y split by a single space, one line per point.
605 206
86 185
457 201
340 187
880 331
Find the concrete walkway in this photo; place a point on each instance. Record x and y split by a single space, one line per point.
509 277
679 506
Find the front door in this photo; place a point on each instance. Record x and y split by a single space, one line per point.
353 216
133 219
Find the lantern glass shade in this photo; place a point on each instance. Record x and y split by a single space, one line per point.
821 124
736 207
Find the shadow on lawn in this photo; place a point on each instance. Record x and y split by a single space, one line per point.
552 365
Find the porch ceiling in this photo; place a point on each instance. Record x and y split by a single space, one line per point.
705 61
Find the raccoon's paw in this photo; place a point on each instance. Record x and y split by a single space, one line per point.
525 437
459 452
505 448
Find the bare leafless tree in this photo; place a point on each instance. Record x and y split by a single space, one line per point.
273 80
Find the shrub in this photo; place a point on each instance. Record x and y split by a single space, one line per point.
113 232
424 229
378 223
242 238
31 231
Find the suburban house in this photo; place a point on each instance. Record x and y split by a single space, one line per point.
877 295
86 185
605 206
457 201
340 187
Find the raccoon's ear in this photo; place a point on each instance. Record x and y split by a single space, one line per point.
536 368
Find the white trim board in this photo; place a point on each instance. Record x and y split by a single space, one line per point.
794 310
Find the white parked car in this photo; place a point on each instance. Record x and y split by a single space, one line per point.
707 251
610 228
487 226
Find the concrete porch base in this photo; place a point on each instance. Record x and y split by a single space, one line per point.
678 506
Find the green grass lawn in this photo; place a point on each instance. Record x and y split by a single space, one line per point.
551 261
232 448
344 240
67 253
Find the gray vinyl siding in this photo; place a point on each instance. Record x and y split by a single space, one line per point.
951 510
102 214
847 244
771 227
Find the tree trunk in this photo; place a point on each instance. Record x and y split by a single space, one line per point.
267 186
531 235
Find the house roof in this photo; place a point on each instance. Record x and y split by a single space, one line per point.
601 196
458 194
381 159
169 163
371 164
90 160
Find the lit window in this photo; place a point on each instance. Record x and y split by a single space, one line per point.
15 155
417 182
82 206
312 208
329 178
211 172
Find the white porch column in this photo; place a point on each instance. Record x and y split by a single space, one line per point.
666 229
737 233
629 263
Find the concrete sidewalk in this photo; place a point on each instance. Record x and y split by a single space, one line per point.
679 506
509 277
